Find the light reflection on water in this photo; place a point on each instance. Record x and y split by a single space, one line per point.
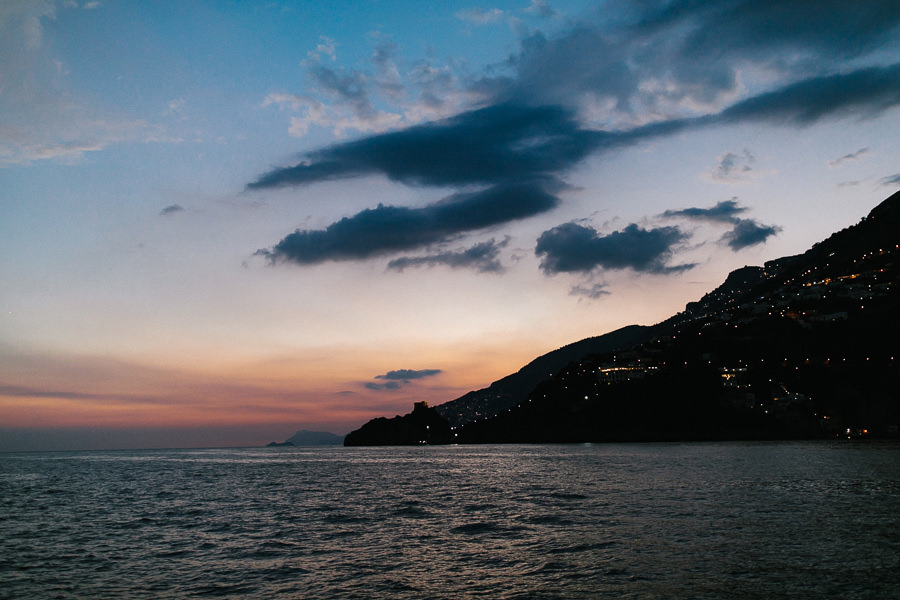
740 520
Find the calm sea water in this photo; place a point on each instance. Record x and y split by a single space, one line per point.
736 520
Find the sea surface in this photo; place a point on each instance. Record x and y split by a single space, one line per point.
719 520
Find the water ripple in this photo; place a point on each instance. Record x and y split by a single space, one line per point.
741 521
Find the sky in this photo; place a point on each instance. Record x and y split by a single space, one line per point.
223 222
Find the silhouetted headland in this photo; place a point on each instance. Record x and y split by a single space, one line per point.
422 426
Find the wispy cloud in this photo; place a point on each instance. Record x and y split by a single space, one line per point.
542 9
852 157
40 119
891 180
483 257
724 211
734 168
481 16
171 210
593 291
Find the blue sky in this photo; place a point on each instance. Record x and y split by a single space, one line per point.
223 222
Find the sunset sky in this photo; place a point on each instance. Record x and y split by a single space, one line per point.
223 222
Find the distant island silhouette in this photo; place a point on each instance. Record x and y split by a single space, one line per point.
803 347
305 437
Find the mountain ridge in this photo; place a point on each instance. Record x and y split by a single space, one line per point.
513 388
808 304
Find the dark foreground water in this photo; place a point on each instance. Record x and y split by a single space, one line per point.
783 520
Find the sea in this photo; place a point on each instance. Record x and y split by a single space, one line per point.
642 521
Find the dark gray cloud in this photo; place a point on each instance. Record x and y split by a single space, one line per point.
171 209
784 33
744 233
506 142
695 49
387 229
394 380
496 144
571 247
409 374
748 232
724 211
865 92
483 257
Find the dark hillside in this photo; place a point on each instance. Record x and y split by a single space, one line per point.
514 388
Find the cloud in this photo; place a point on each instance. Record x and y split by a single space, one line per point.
506 141
594 291
571 247
844 184
409 374
724 211
394 380
664 60
480 16
852 157
495 144
654 71
865 92
542 9
286 101
41 117
630 63
348 98
386 229
29 392
325 47
733 167
748 232
347 86
891 180
344 98
744 233
483 257
381 387
171 209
